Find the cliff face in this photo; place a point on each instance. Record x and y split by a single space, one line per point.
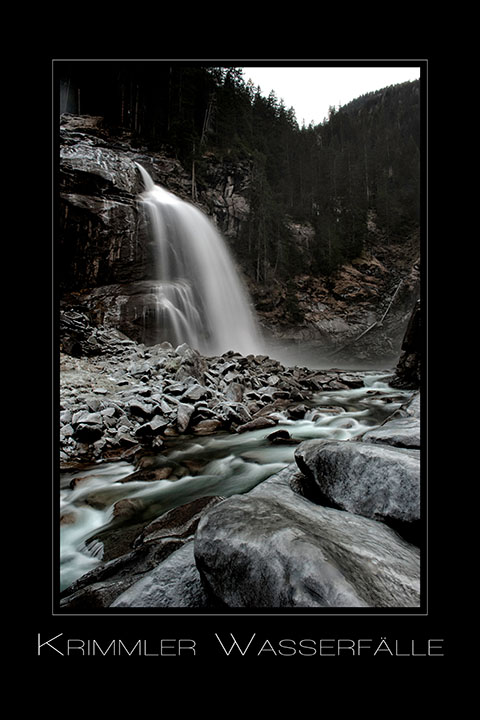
359 315
105 257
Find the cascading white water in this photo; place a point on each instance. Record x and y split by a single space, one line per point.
199 297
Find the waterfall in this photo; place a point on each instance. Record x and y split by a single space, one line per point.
199 296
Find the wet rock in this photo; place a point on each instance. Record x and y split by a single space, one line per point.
68 518
196 392
127 452
411 408
125 439
88 433
66 416
207 427
350 380
234 392
180 522
273 548
94 403
175 388
153 427
397 432
281 437
94 596
126 508
148 474
141 410
86 418
66 431
232 413
297 412
273 380
184 415
175 583
109 418
372 480
257 424
89 164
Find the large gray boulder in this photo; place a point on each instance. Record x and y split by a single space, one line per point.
174 583
377 481
398 432
275 548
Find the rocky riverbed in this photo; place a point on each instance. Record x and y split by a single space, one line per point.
337 525
118 398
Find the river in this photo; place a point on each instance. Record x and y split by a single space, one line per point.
223 464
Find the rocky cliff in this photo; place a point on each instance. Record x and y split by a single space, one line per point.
105 257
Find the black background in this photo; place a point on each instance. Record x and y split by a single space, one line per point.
444 617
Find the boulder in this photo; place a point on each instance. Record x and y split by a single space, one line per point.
273 548
175 583
195 392
373 480
397 432
141 410
281 437
152 428
207 427
258 424
86 418
87 433
184 415
180 521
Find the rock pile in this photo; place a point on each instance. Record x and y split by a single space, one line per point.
118 398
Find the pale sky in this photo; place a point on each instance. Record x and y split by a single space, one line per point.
312 90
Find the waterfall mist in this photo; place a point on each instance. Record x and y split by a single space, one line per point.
199 296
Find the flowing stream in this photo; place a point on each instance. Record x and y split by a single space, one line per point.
223 464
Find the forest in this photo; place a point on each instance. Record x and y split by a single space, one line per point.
359 168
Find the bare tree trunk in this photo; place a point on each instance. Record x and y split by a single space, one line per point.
378 323
194 187
366 171
136 108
